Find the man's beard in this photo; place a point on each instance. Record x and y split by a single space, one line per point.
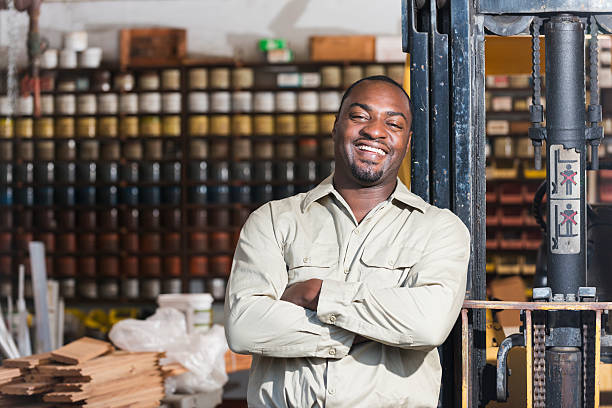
367 175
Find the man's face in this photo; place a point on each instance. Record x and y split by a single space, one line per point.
372 133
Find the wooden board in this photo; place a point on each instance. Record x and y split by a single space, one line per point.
9 374
27 388
28 362
81 350
152 46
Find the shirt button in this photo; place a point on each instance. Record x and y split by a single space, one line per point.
346 271
332 319
332 352
306 260
332 391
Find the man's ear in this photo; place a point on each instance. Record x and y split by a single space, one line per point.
409 140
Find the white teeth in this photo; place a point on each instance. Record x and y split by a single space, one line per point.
371 149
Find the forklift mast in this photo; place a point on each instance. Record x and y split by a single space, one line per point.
445 41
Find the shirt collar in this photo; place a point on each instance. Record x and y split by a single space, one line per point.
401 193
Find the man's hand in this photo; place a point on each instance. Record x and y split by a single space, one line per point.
304 294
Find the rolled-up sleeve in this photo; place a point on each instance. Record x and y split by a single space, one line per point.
256 320
420 316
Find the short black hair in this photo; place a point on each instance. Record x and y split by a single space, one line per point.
382 78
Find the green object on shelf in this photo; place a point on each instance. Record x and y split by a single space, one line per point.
268 44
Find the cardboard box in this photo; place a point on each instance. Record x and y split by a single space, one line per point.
389 49
342 48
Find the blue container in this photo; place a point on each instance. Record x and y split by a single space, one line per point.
220 194
241 194
44 172
283 191
24 196
86 195
129 195
263 193
108 195
65 195
150 195
198 195
171 195
6 196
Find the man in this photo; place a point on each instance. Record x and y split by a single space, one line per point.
342 294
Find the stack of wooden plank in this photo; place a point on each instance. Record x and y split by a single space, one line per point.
84 373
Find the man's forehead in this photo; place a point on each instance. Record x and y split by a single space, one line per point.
371 90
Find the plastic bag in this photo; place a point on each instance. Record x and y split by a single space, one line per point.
203 354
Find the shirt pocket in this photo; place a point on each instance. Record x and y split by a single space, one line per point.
388 267
318 261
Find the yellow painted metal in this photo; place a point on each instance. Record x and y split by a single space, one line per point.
597 355
465 359
529 357
404 170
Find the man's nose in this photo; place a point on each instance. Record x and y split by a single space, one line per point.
375 129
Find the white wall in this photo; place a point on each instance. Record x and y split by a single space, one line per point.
228 28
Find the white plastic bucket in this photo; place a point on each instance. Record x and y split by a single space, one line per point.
197 308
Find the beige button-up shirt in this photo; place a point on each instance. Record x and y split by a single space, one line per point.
397 278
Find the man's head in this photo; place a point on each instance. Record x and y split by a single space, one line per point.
372 131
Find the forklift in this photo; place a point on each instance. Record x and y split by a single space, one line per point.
565 328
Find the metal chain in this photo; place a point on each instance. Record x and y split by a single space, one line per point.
593 57
535 74
539 366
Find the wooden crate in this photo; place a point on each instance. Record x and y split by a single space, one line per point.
152 46
343 48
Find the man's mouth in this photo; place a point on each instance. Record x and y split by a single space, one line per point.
371 149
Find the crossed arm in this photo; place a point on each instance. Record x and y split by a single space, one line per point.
308 319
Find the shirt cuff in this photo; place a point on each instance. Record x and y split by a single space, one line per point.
334 298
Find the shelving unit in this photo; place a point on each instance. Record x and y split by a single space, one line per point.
127 216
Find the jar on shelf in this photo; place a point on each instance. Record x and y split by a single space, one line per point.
374 69
286 125
86 104
171 125
24 128
263 125
86 127
47 105
308 148
25 105
329 101
220 125
171 102
45 151
108 104
128 126
220 78
6 128
285 150
242 125
150 126
219 149
286 101
242 149
198 125
64 128
43 127
148 81
198 149
263 102
149 102
308 101
66 150
198 102
171 79
327 148
65 104
307 124
396 73
108 126
128 103
350 74
89 150
220 102
198 78
242 101
242 78
331 76
124 82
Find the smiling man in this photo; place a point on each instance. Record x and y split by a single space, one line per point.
343 293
